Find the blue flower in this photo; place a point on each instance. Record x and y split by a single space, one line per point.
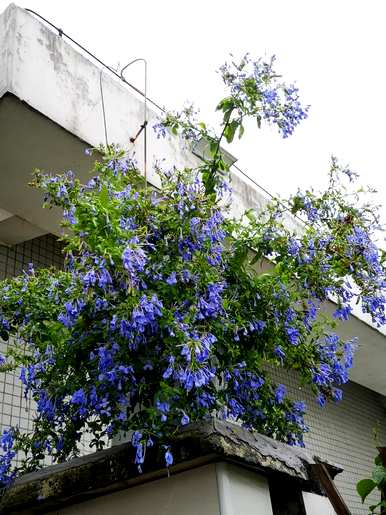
136 438
321 400
300 406
160 129
293 334
163 408
322 375
277 103
185 419
279 352
172 279
79 398
342 313
45 406
168 458
73 309
7 441
257 325
280 392
62 191
139 455
337 394
211 305
134 260
69 215
293 247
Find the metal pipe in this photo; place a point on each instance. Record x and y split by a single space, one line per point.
103 107
145 113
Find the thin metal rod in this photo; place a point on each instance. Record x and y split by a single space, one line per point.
103 107
145 113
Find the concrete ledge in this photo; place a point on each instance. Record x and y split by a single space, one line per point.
113 469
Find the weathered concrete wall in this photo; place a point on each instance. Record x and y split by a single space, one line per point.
317 505
70 95
59 82
242 491
29 140
7 29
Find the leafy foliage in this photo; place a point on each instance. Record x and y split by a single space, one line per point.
169 311
378 482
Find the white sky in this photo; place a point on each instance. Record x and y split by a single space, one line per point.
333 49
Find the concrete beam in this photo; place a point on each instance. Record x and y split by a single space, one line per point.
113 469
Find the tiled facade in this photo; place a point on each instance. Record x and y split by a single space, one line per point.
341 433
42 251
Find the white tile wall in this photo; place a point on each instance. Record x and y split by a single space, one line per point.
42 251
343 432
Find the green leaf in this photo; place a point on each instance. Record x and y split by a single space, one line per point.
225 104
104 196
213 147
379 475
250 214
227 115
365 487
230 130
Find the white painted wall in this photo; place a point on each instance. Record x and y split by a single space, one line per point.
317 505
189 493
216 489
242 492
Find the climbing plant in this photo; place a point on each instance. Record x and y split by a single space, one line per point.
377 483
169 311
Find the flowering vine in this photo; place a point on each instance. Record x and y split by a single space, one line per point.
169 311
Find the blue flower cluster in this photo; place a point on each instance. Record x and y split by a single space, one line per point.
163 315
255 85
7 475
